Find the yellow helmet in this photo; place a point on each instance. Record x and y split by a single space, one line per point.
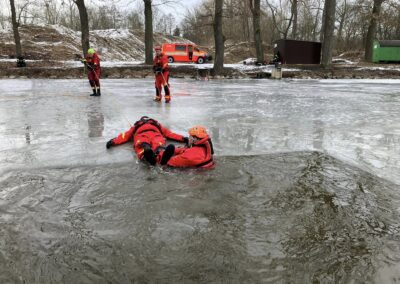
198 131
91 51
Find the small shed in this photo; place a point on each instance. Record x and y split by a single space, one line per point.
298 51
386 51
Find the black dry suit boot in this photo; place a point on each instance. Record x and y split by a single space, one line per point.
168 153
98 92
149 154
94 93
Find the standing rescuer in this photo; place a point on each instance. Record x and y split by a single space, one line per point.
161 70
92 61
148 137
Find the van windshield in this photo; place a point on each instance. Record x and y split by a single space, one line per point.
196 49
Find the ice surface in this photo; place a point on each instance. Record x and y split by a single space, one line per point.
55 122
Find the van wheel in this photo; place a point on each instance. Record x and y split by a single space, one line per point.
170 59
200 60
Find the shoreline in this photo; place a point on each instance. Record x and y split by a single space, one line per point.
200 72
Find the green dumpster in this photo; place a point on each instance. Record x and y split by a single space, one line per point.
386 51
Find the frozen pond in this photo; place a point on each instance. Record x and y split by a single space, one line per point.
306 186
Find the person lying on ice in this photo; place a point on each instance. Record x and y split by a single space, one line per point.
197 154
161 70
92 62
148 137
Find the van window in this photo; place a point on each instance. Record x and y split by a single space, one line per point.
196 49
180 47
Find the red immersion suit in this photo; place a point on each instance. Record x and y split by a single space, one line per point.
199 155
147 131
94 73
161 69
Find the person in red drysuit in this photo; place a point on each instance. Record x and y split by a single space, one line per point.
161 70
92 62
148 137
197 154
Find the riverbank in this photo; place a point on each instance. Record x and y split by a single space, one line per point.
116 70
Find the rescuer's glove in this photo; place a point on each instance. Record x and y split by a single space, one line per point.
109 144
186 140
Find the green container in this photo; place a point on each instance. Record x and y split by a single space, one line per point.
386 51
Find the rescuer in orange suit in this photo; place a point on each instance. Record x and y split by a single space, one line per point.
198 153
92 61
148 137
161 70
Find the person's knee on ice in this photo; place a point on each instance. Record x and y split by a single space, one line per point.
167 154
148 154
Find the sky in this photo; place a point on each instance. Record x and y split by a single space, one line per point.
179 10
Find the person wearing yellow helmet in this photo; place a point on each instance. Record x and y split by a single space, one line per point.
92 62
198 153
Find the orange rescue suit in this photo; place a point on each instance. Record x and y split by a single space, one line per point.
199 155
94 70
161 62
150 132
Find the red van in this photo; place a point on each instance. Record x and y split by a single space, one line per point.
184 52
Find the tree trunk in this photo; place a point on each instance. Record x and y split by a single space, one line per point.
316 22
329 27
256 11
148 31
341 25
219 38
295 13
376 10
84 25
15 24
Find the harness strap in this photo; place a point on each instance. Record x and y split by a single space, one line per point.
140 123
204 163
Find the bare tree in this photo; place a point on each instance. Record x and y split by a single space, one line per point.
134 20
323 20
52 11
329 27
342 15
148 31
376 10
218 38
15 25
84 25
279 18
256 11
295 14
